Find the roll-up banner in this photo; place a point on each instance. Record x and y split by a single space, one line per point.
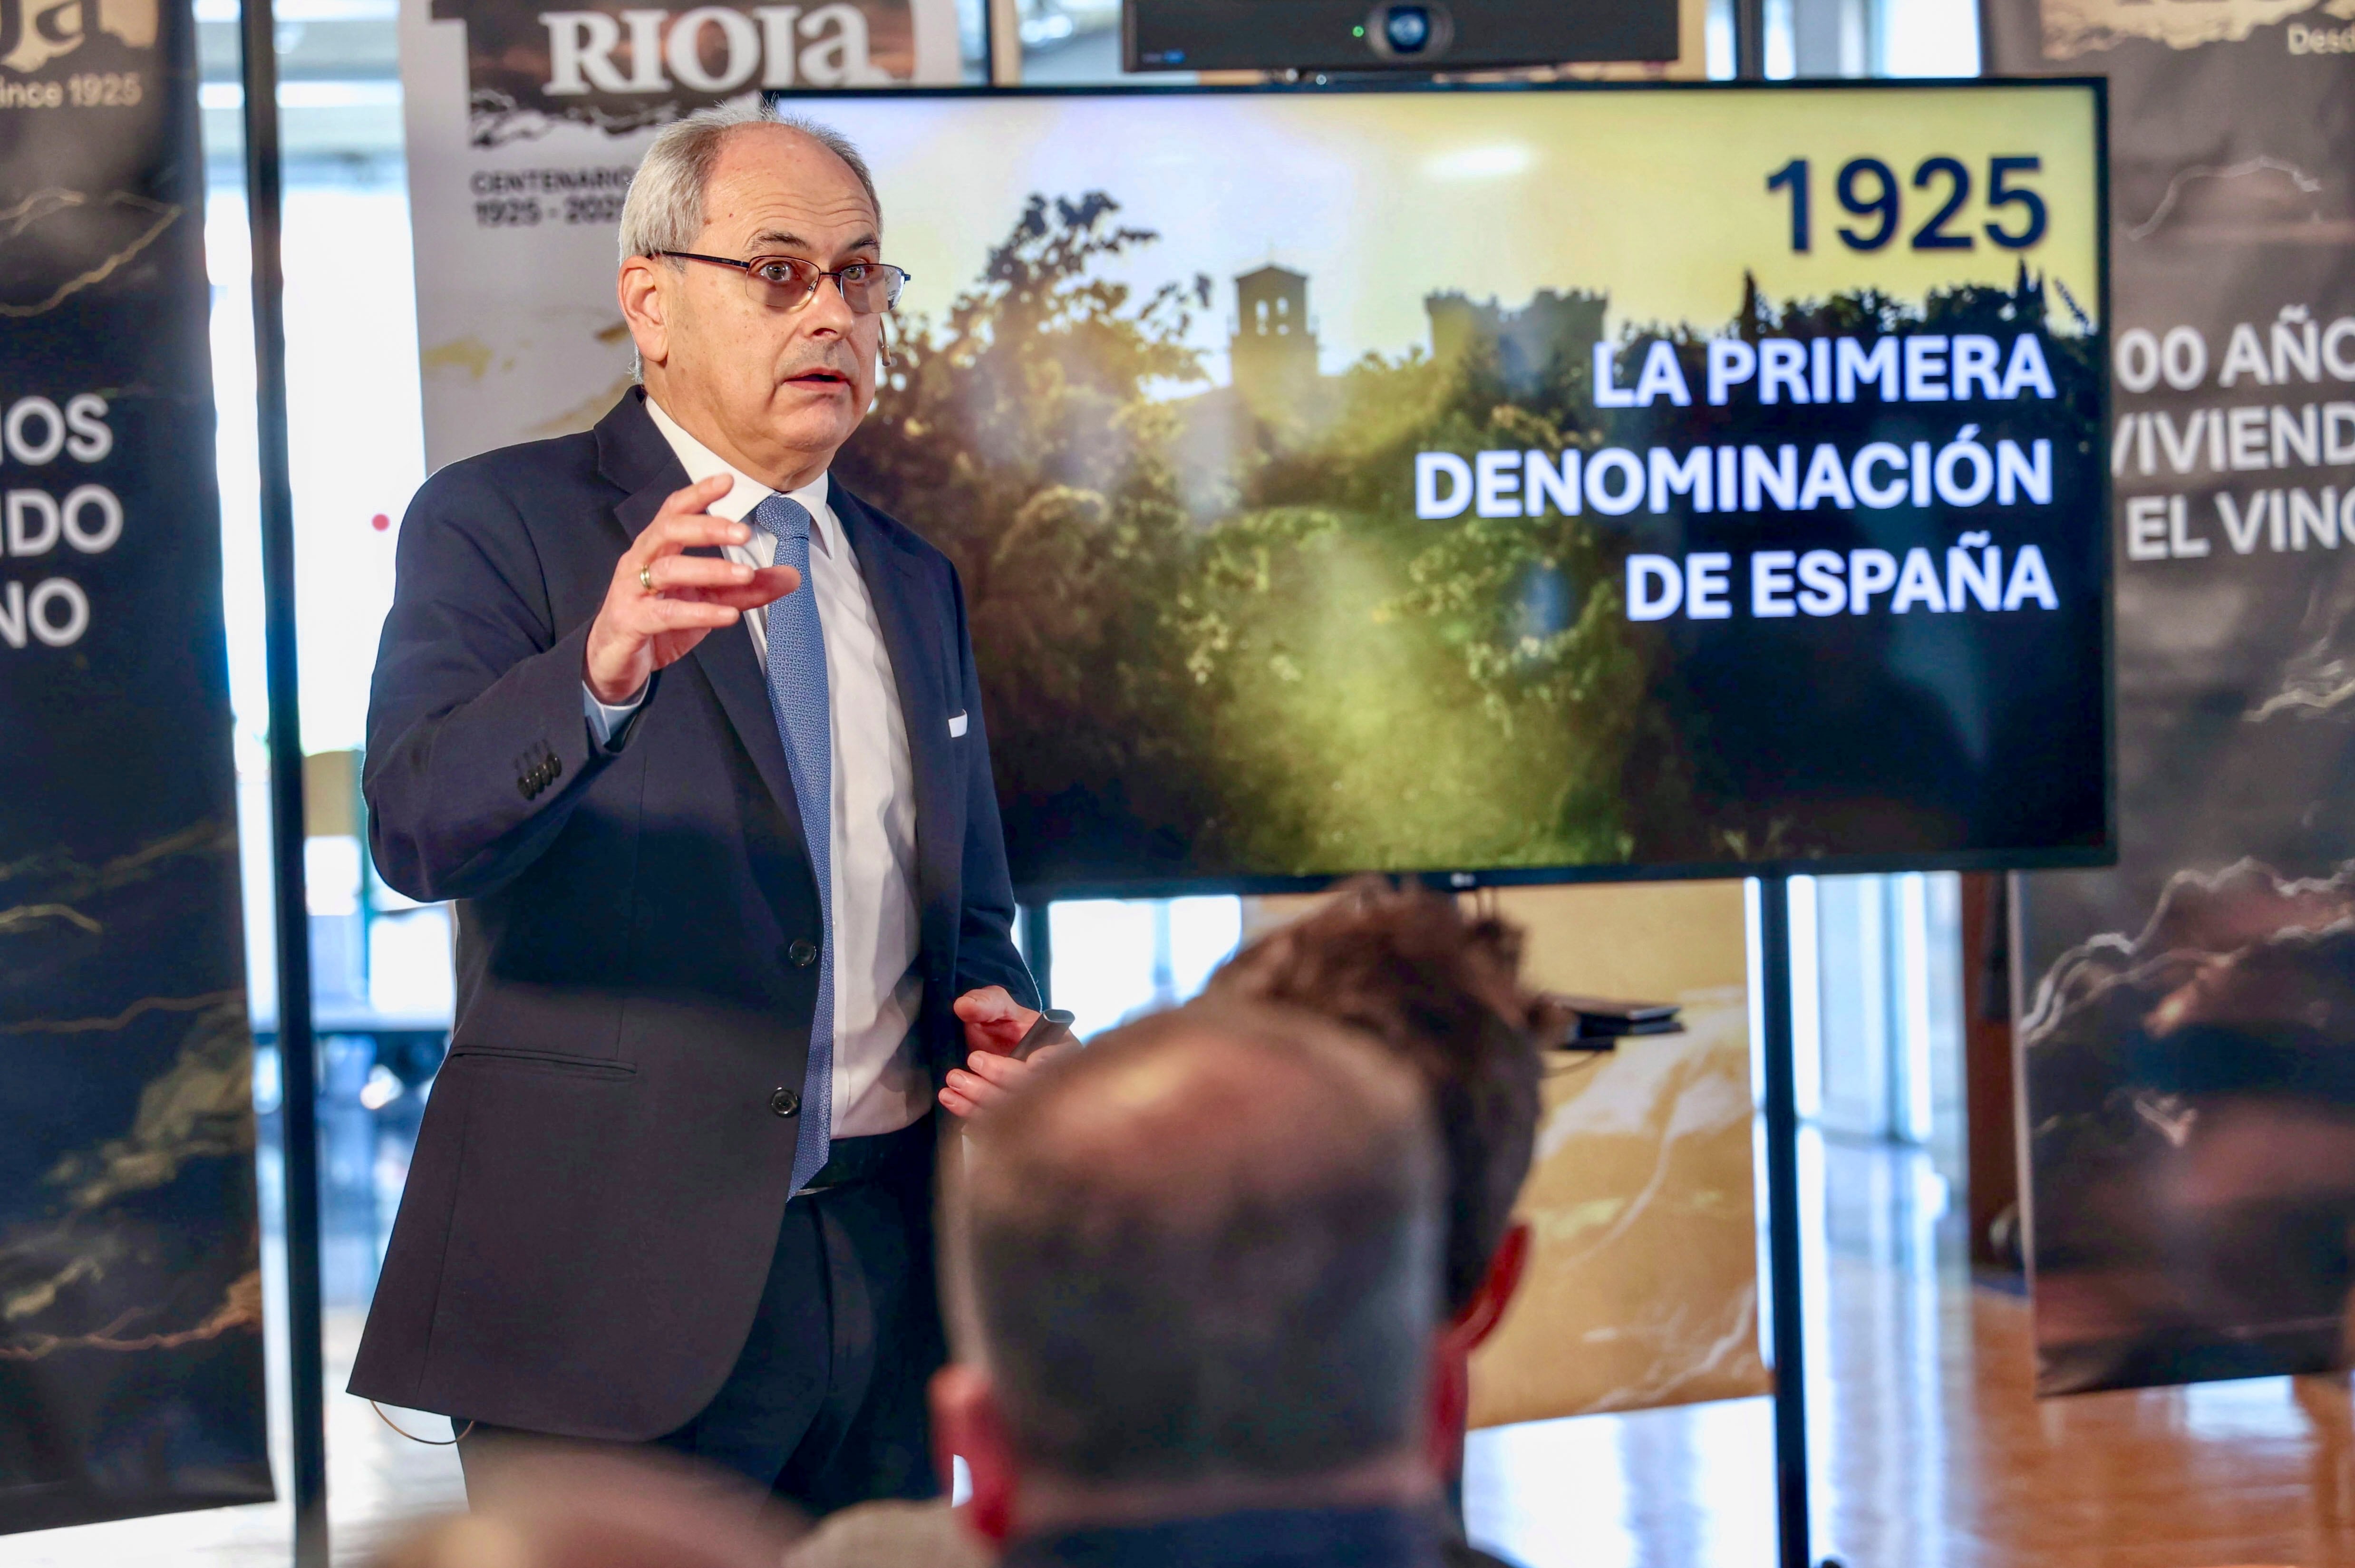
2188 1022
131 1363
525 125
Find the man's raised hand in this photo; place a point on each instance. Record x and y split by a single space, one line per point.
662 601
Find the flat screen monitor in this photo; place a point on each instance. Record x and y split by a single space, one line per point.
1511 485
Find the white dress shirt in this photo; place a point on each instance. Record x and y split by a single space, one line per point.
877 992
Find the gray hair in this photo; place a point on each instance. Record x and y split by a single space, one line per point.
664 209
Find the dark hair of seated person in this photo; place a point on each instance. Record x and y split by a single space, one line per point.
1406 966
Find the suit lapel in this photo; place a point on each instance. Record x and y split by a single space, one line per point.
633 455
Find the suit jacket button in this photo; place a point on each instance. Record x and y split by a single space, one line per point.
804 953
785 1102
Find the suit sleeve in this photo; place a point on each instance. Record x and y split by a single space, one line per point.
477 748
985 952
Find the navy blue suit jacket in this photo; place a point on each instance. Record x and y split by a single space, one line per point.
606 1156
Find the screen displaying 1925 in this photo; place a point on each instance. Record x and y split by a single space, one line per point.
1534 484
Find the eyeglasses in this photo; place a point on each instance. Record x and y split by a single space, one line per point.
788 282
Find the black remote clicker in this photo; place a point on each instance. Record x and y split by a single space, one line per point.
1053 1028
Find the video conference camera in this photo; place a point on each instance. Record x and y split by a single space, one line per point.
1392 35
1400 31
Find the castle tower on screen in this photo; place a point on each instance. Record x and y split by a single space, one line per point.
1273 349
1549 340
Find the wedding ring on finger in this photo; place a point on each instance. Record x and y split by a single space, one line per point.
646 577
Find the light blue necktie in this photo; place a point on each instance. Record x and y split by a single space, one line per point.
797 696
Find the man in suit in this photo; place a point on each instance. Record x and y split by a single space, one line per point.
1196 1292
694 740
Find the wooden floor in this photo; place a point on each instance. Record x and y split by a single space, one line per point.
1927 1450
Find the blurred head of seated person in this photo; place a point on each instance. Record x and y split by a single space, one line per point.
586 1507
1194 1291
1442 992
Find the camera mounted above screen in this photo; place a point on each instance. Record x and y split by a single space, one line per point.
1394 35
1409 32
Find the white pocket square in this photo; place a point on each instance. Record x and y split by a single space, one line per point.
956 725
